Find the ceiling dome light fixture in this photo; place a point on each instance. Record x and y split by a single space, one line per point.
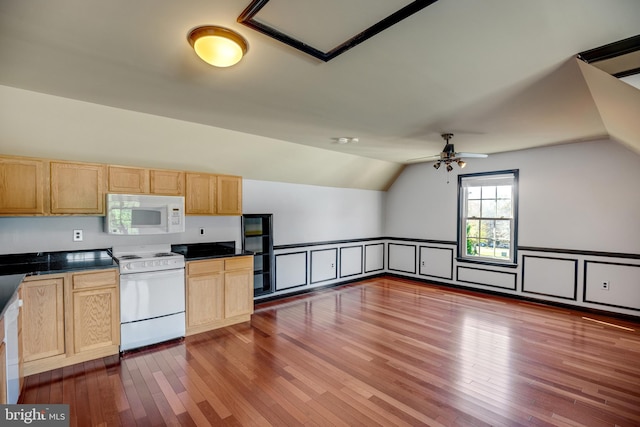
346 140
218 46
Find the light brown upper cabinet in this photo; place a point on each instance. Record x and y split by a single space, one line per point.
201 194
166 182
130 180
127 180
22 185
229 195
32 186
77 188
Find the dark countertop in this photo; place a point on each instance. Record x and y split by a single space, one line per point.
14 268
196 251
55 262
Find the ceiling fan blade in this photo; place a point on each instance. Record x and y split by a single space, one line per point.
424 159
470 155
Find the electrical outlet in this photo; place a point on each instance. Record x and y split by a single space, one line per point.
77 235
202 231
605 285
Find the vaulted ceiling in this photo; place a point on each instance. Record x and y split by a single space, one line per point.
501 75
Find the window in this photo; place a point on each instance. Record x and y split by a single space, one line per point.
488 216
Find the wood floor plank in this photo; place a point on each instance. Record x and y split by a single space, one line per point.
381 352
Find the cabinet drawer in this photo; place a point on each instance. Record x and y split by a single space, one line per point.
238 263
95 279
204 267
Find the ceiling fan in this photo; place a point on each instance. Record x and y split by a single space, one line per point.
448 155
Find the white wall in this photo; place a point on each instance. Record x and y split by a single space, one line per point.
302 214
307 213
47 234
581 196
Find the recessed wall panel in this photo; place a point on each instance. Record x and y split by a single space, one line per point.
402 258
324 265
549 276
291 270
373 257
496 279
623 284
436 262
350 261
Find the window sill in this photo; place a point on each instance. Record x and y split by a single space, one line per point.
487 262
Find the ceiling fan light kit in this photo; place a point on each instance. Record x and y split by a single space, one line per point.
217 46
449 155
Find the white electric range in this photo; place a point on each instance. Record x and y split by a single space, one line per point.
152 295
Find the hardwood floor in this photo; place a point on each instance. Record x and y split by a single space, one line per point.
385 352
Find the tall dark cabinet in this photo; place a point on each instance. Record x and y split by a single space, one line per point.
257 237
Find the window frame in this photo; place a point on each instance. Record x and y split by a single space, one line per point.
461 235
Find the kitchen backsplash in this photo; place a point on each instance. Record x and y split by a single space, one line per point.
40 234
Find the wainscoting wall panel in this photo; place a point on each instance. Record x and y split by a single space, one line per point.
402 258
436 262
350 261
291 270
324 265
556 277
303 267
373 257
491 278
568 277
622 287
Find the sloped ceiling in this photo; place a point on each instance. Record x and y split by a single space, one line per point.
500 74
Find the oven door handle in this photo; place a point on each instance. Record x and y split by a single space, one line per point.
152 274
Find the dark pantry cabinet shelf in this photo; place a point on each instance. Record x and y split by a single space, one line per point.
257 237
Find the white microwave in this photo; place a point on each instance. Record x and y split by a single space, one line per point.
138 214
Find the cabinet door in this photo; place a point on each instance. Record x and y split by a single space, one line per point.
42 318
128 180
205 299
238 292
96 319
200 197
165 182
22 189
229 195
77 188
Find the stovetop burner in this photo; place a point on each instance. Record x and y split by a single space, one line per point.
146 258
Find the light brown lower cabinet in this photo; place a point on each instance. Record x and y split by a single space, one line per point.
43 318
96 312
69 318
219 293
